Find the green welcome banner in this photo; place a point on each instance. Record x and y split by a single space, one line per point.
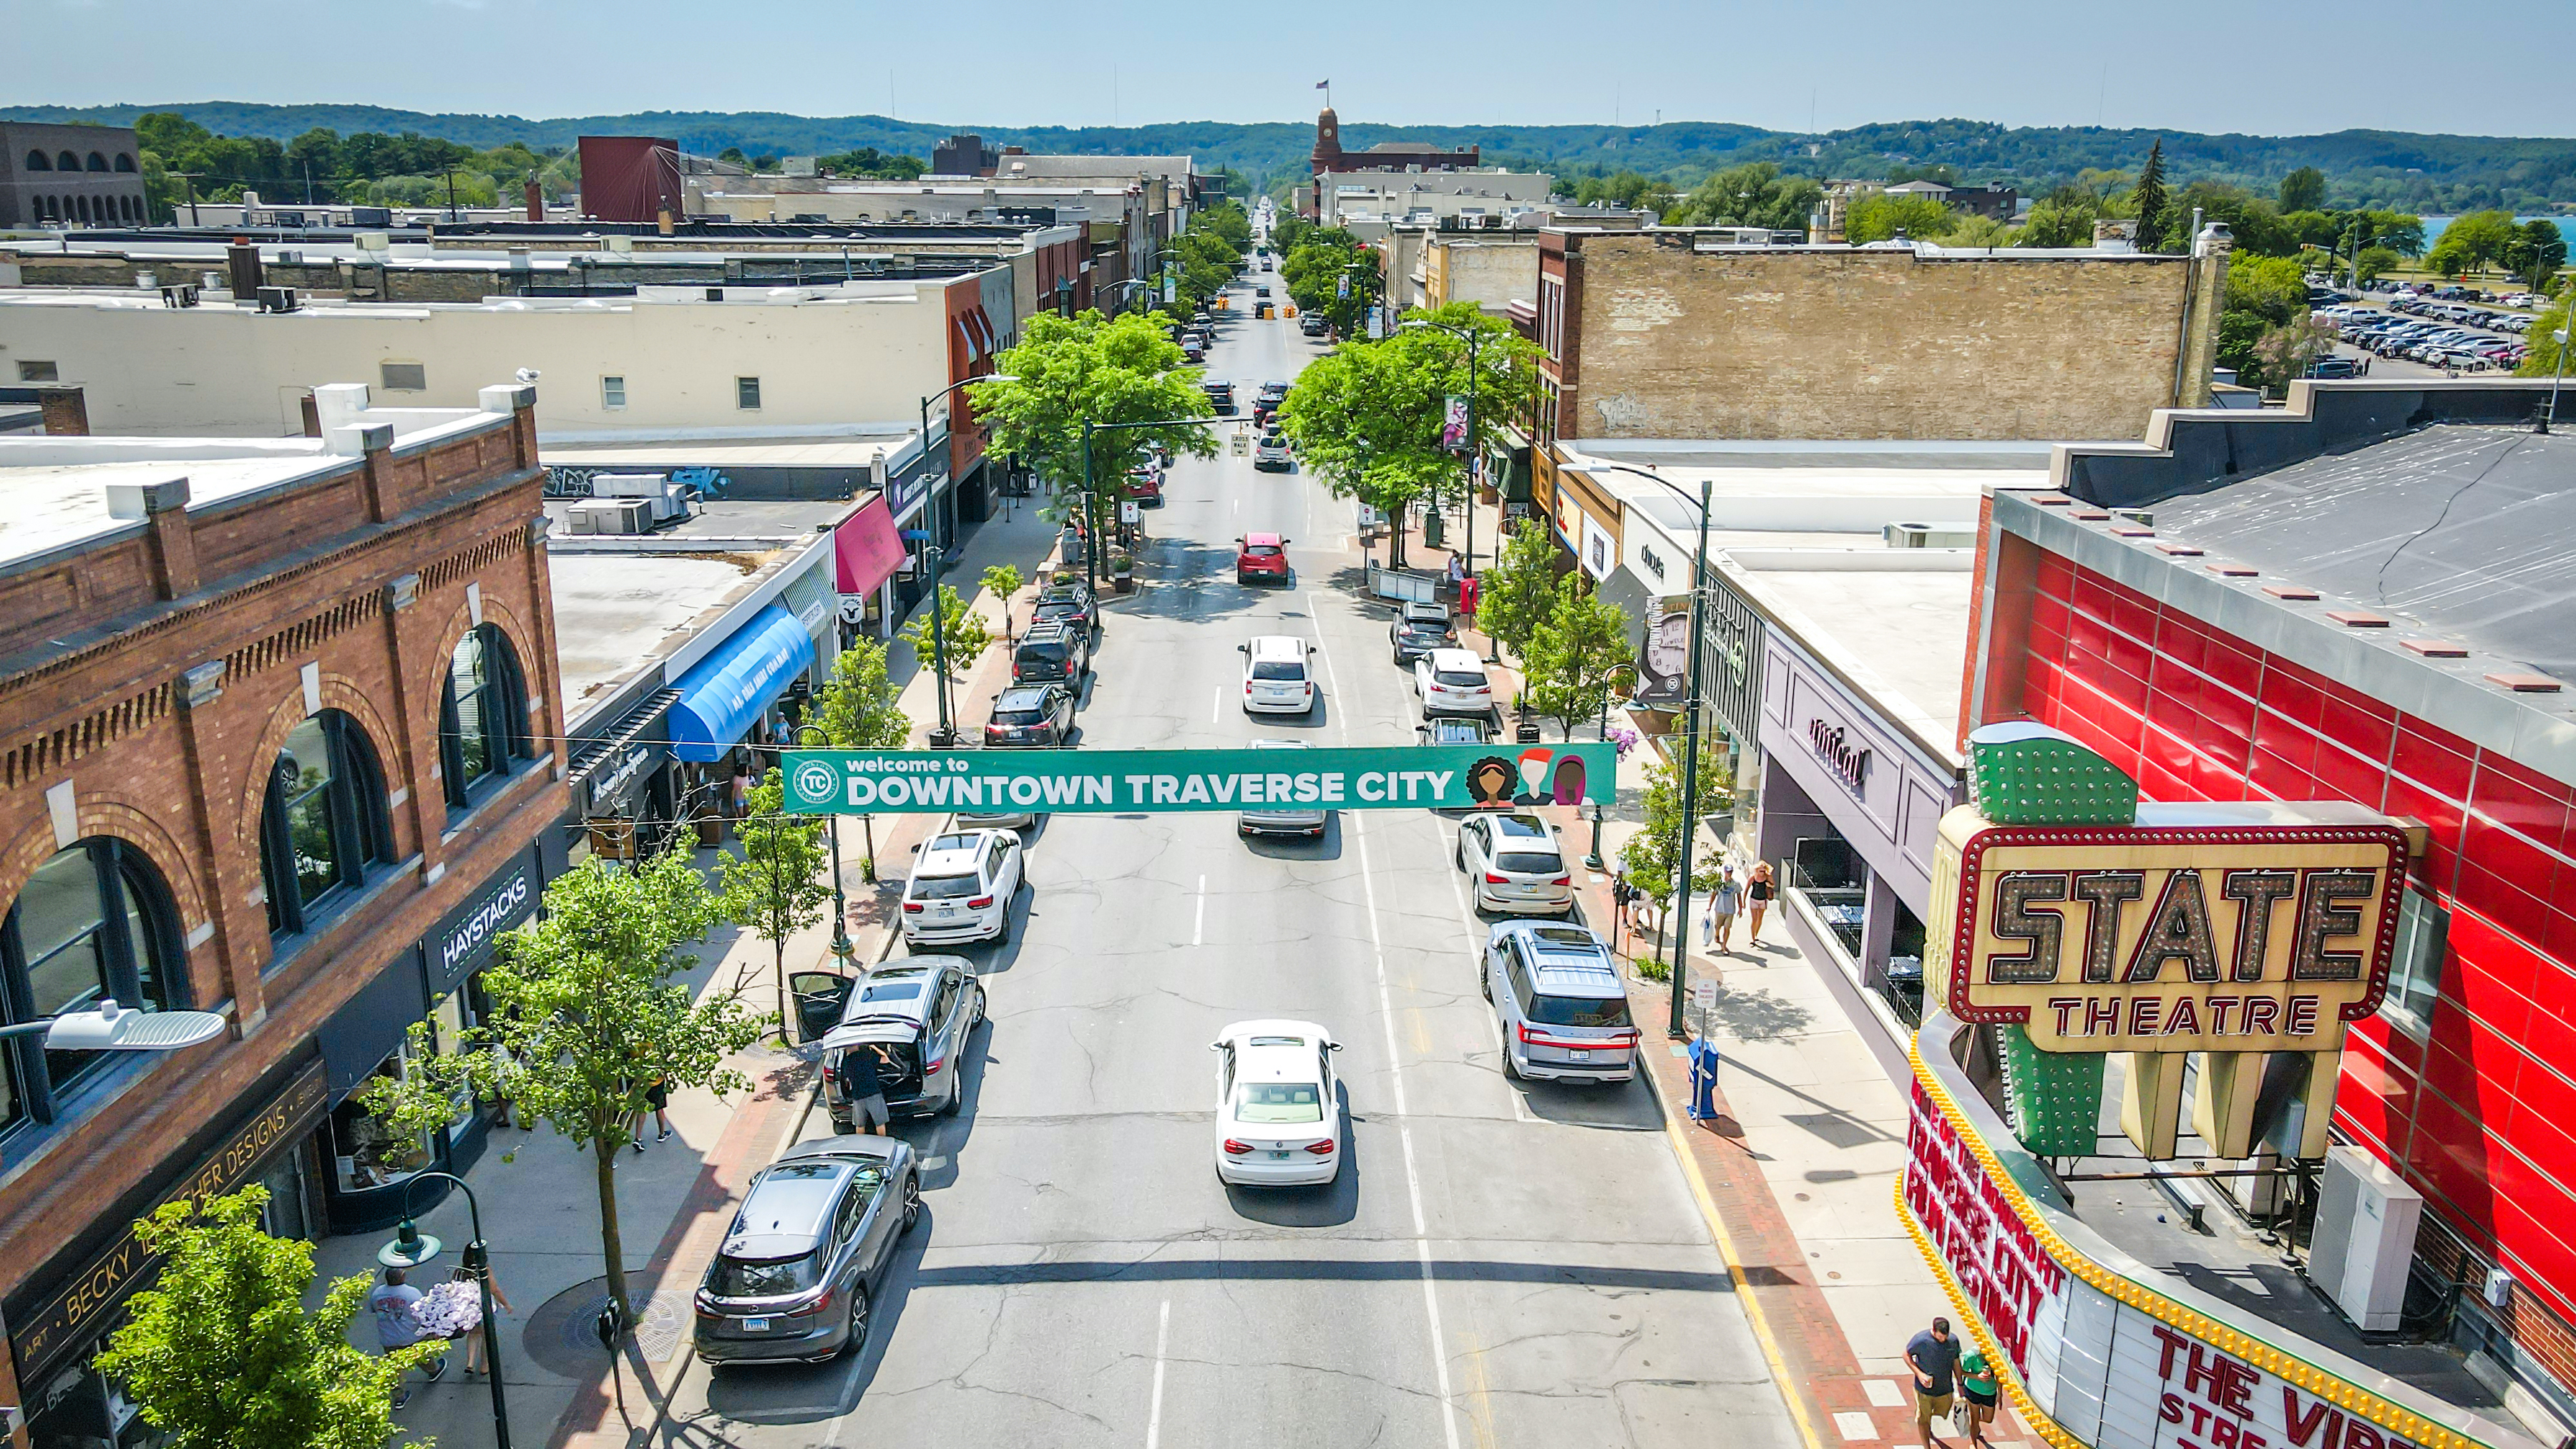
1389 777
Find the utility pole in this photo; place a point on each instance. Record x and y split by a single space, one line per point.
189 180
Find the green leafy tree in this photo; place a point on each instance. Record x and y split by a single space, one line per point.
221 1354
1003 581
1880 218
948 626
1652 856
2551 349
859 708
1315 270
2377 262
1068 371
2303 190
1367 419
1515 591
1982 231
1629 190
2147 200
1754 194
1578 649
2287 351
2055 224
2474 242
2273 288
589 1008
775 888
2536 253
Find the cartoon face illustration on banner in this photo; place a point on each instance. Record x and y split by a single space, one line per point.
1489 781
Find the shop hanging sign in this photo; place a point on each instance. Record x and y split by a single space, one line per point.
1392 777
2265 929
79 1310
503 904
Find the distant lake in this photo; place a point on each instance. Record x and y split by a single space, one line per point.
2433 226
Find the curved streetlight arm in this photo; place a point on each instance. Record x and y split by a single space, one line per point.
1679 1024
478 1261
111 1029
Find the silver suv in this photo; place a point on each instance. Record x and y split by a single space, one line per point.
808 1251
1563 1010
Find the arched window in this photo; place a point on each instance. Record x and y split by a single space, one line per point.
324 822
124 162
93 922
36 162
483 728
67 162
97 162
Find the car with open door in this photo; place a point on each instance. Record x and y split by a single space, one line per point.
914 1016
1278 1117
808 1252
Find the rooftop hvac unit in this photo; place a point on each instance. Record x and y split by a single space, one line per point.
2365 1238
611 515
664 499
277 299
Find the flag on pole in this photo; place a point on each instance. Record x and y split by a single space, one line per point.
1323 85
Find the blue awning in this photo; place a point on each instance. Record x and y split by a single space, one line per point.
723 693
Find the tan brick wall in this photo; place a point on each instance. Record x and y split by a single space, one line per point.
1867 344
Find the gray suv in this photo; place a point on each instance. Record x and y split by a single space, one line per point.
1563 1010
807 1252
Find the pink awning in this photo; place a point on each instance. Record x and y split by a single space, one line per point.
866 550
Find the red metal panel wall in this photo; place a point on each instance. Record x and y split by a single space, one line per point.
2482 1116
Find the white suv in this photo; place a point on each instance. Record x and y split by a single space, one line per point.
961 888
1276 676
1452 681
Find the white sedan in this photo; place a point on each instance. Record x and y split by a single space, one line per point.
1278 1117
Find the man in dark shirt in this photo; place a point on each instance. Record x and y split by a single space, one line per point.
1934 1356
861 1088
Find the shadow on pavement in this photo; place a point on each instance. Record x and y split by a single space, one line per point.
1329 1206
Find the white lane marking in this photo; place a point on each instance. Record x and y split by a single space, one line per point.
1342 704
1162 1341
1198 922
1216 705
1404 1134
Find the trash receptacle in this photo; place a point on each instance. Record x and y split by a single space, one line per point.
1703 1079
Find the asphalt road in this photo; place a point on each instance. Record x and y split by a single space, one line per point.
1500 1264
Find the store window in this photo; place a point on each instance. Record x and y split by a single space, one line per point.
366 1152
483 724
94 922
325 822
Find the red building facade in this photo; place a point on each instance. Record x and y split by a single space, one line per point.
2196 659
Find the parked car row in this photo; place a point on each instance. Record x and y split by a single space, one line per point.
2429 342
2463 312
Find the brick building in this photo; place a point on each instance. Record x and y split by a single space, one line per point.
1673 333
276 724
70 176
2361 598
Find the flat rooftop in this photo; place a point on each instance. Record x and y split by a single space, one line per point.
2460 531
1893 623
54 491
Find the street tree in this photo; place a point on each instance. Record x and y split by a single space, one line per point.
948 627
220 1353
1578 650
1652 856
775 888
1514 592
2537 251
859 708
589 1009
1068 371
1754 194
1003 581
2377 262
2473 242
2303 190
1368 418
2552 351
1335 274
1880 218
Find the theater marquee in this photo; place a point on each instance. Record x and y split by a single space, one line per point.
2217 928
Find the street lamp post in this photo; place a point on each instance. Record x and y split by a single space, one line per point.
841 947
1679 1025
1474 444
946 734
411 1248
2566 332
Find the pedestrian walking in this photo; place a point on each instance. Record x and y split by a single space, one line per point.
657 1096
863 1090
1623 901
1758 894
1722 900
393 1303
1977 1386
1933 1355
459 1307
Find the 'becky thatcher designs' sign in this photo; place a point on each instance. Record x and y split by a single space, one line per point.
2231 928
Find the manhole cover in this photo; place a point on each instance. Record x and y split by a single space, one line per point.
562 1339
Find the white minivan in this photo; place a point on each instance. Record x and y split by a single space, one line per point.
1277 678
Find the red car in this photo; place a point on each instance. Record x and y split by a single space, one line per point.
1261 557
1145 485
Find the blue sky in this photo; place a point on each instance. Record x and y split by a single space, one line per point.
2253 66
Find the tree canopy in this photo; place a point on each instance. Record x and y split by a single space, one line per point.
1314 272
1754 194
1880 218
1102 370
